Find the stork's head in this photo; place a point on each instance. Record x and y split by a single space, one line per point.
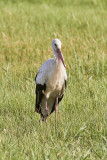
56 46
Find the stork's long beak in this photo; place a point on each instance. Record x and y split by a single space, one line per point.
60 55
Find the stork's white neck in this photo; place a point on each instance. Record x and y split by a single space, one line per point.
58 61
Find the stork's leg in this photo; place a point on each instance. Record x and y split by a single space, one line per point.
46 111
56 108
45 120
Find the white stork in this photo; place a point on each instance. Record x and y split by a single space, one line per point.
51 83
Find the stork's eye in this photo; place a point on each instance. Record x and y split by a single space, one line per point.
55 45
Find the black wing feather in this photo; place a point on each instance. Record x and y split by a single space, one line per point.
39 94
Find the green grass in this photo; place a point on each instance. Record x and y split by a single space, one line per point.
26 31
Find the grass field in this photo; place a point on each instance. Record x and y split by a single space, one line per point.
27 28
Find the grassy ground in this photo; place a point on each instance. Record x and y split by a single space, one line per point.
26 31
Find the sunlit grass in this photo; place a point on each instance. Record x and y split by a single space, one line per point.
26 31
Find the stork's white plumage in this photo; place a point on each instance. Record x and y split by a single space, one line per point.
51 82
